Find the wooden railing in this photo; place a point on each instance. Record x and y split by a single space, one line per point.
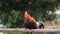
27 30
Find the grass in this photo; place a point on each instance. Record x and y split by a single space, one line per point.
13 33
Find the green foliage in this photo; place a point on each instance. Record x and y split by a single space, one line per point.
14 33
2 16
8 24
12 10
40 8
9 18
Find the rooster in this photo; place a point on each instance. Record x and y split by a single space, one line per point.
31 22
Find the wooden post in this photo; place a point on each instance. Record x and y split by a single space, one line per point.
27 32
32 32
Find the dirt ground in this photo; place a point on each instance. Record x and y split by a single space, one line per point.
49 24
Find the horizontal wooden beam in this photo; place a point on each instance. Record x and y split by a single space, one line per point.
15 30
27 30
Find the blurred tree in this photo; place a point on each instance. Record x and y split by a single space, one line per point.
12 10
40 8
